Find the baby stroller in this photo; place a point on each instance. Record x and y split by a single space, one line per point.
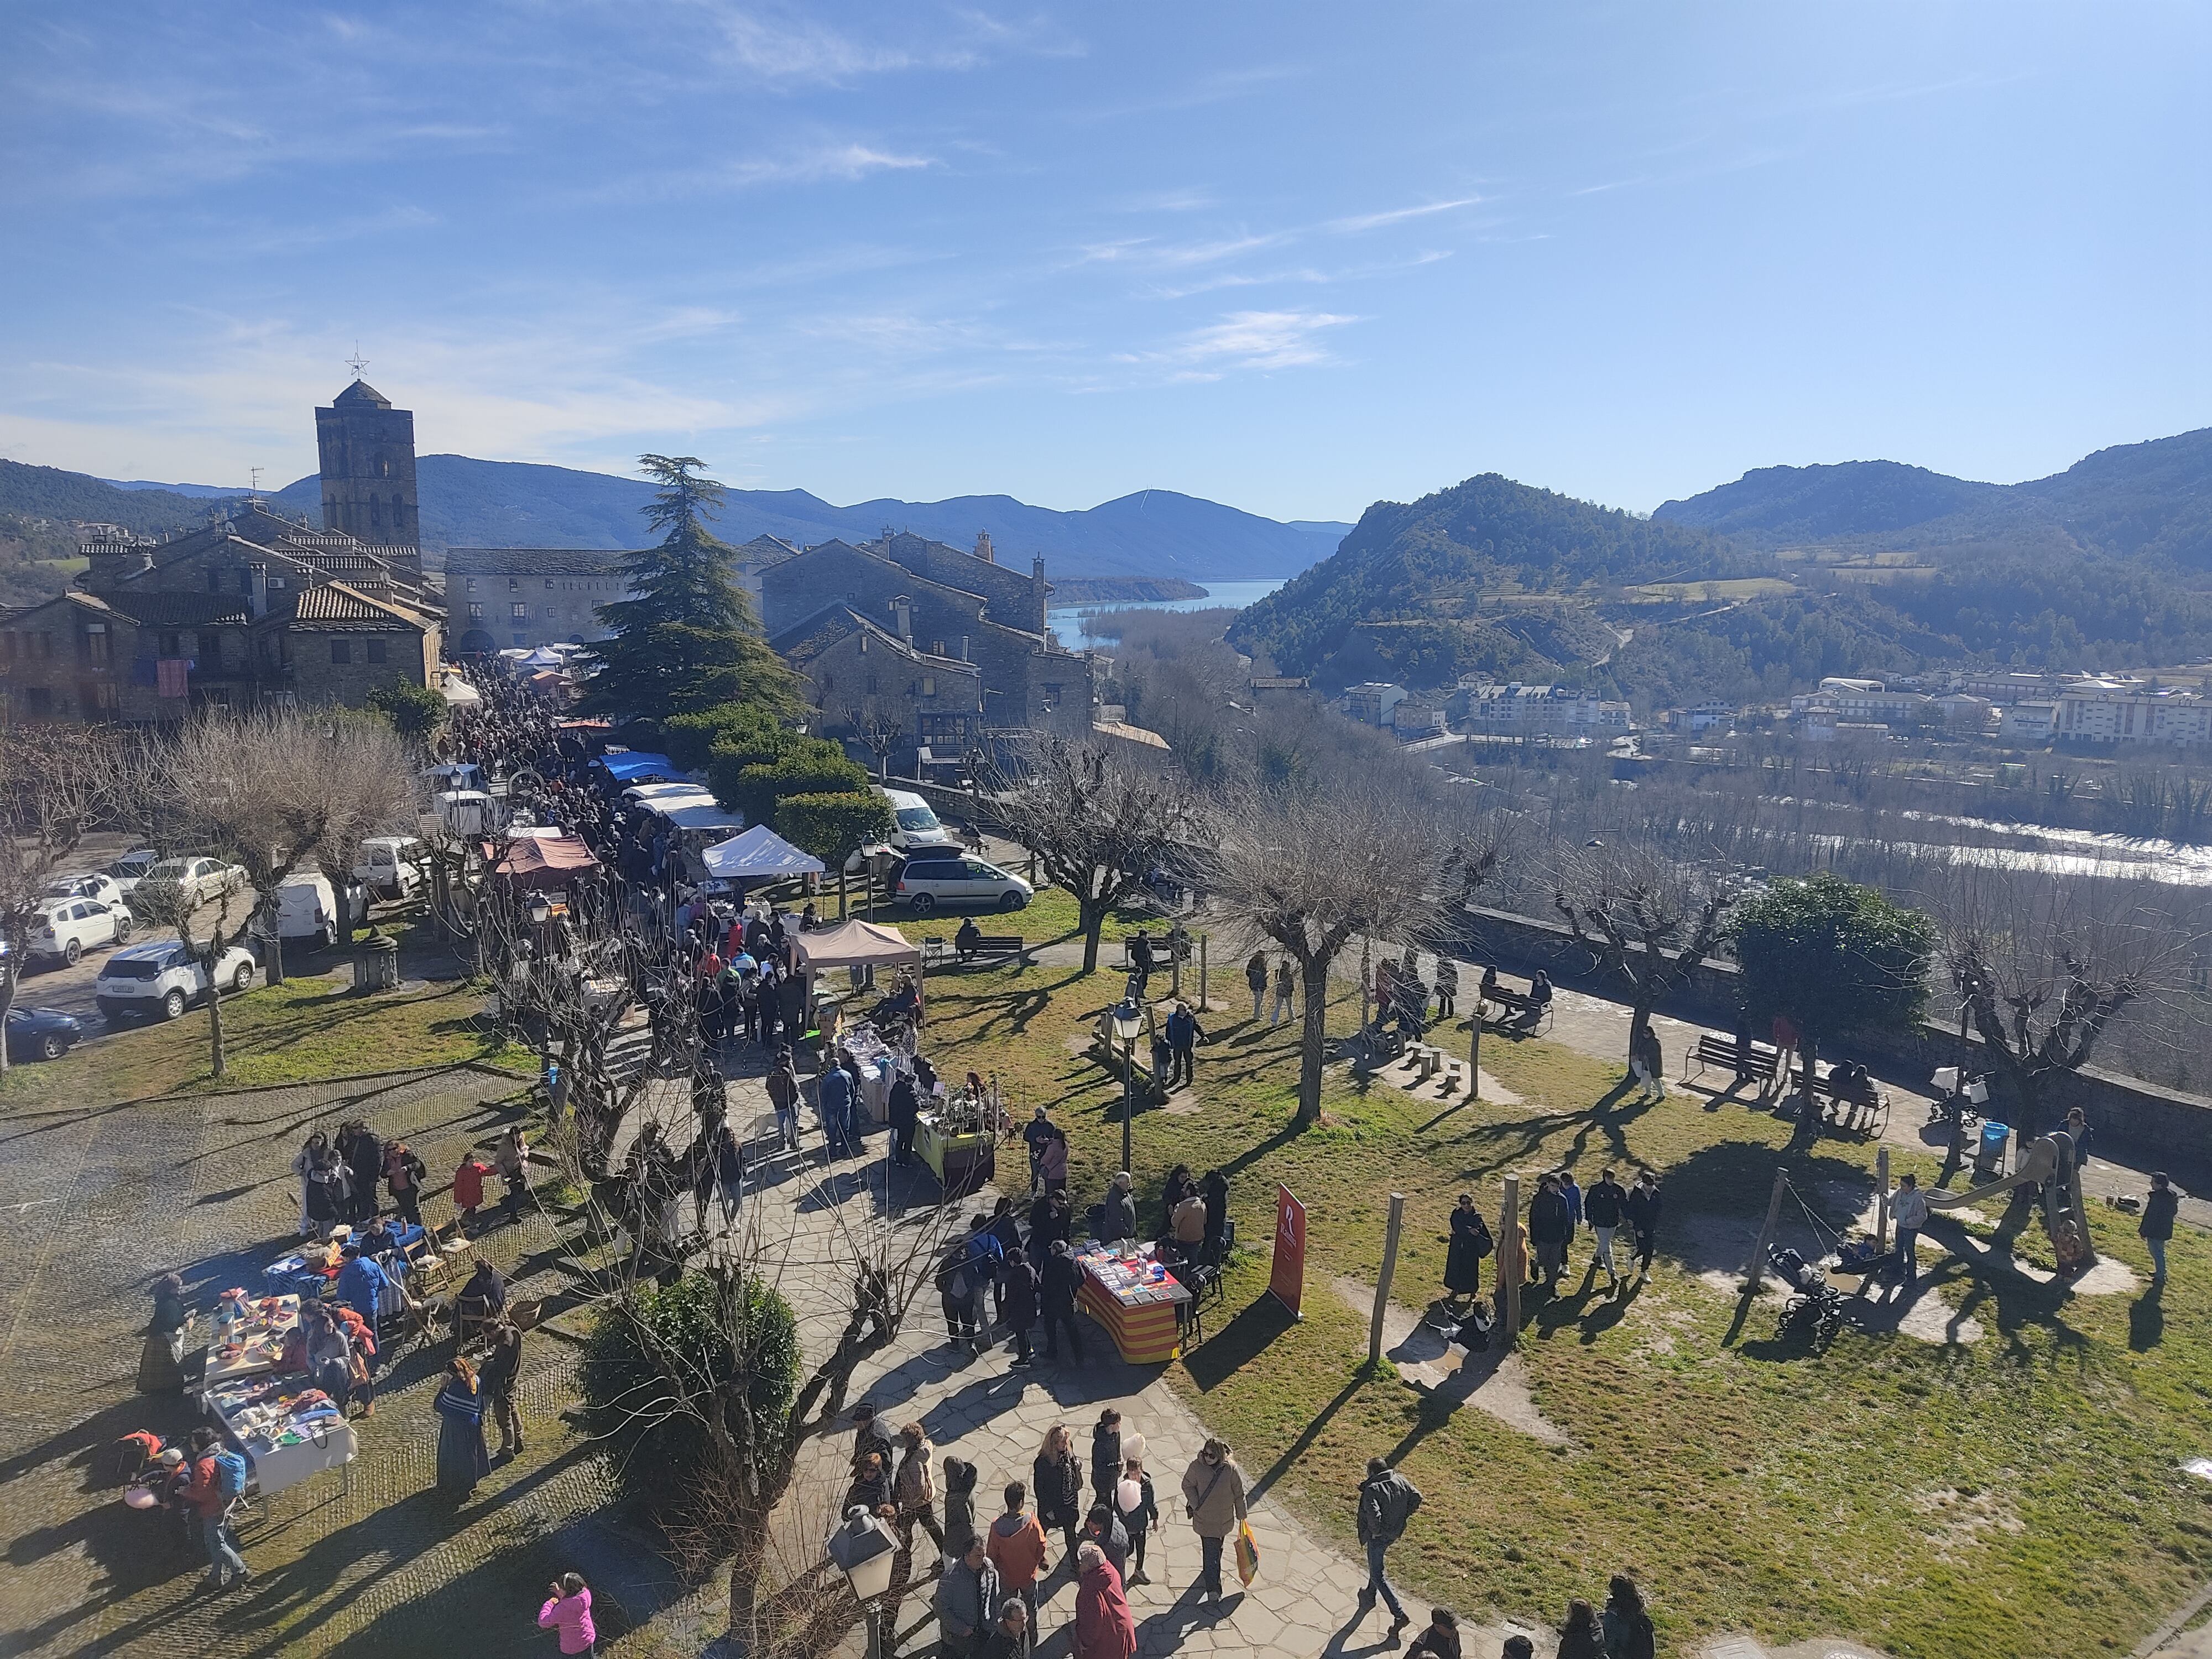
1814 1311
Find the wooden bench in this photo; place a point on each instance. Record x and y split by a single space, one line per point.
1514 1003
997 945
1866 1113
1713 1049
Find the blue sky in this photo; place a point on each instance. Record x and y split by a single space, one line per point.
1292 257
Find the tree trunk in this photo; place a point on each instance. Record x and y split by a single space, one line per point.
1091 913
1313 1037
272 968
7 980
215 1066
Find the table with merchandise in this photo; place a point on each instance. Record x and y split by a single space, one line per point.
288 1429
1135 1297
249 1336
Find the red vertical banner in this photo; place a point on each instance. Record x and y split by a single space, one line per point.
1288 1279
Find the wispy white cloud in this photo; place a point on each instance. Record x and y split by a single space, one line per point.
1246 340
1398 215
840 162
1150 252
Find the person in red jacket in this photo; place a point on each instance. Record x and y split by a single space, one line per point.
468 1188
205 1494
1104 1628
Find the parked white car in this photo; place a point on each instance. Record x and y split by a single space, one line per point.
308 908
197 880
914 823
104 887
926 883
392 867
130 869
67 928
162 979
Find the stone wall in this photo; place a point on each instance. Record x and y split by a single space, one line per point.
2131 1120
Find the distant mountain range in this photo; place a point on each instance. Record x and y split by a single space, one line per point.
1767 584
2148 499
472 503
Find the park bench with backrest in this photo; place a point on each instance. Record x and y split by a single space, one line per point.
1514 1006
1864 1107
995 944
1756 1061
1160 943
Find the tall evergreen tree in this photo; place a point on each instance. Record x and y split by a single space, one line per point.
687 638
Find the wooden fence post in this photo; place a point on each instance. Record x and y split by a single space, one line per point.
1383 1285
1754 1271
1204 1007
1508 1263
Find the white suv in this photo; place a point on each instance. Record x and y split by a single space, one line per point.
68 927
105 888
925 884
159 981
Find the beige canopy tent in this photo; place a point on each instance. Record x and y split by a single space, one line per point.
854 944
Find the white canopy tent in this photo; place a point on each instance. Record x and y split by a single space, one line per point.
758 854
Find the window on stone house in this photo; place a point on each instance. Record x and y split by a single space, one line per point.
1051 698
341 650
376 650
549 584
173 644
96 644
929 685
515 584
872 685
521 611
476 612
472 584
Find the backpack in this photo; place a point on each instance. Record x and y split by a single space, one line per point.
230 1474
1484 1243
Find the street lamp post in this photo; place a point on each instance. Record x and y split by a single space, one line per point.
864 1549
1127 1019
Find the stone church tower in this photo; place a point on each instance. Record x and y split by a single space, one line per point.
368 450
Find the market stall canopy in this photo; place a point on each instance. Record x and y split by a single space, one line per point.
853 944
632 766
543 657
760 854
707 816
459 693
548 863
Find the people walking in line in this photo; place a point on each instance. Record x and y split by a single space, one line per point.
1015 1546
913 1487
1104 1627
1287 992
2156 1228
1909 1210
1255 976
462 1459
1387 1502
1060 1282
1106 1455
1184 1035
1642 1208
1627 1626
1019 1309
1214 1498
1059 1486
1440 1640
1137 1511
567 1609
1580 1636
1604 1205
1550 1225
1010 1637
967 1602
1470 1242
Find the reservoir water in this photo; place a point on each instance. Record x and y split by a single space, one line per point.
1067 622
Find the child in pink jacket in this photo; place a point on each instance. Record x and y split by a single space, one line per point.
569 1610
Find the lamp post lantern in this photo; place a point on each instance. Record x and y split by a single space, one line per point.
864 1549
1128 1018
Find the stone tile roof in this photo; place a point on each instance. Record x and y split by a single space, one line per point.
334 606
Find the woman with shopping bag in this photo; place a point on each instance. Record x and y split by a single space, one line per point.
1214 1495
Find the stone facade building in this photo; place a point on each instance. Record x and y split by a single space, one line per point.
943 604
501 597
257 608
367 452
879 689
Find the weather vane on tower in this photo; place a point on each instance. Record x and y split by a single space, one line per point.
356 362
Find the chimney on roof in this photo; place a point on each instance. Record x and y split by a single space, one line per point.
902 612
984 551
258 590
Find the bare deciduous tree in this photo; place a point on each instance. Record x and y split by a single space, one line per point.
1647 917
1312 872
55 785
1098 824
876 724
265 789
2043 970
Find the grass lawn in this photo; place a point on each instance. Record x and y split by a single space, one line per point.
295 1032
1048 917
2018 1494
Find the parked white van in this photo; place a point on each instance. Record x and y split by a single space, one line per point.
308 908
392 867
913 823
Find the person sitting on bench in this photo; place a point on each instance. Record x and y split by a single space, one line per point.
969 939
1539 998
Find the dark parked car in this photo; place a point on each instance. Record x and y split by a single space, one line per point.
41 1033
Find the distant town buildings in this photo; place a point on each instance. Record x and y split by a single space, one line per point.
1374 702
2126 711
1515 710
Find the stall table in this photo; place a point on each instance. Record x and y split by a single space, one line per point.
299 1274
285 1438
1138 1302
958 1161
251 1347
